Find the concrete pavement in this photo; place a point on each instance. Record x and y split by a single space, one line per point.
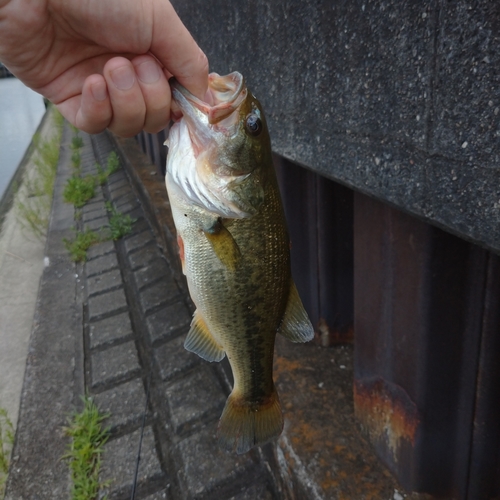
21 266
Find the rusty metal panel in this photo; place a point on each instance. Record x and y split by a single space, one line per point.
484 477
319 214
419 295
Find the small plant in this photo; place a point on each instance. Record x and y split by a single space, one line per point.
76 159
35 195
79 190
112 165
119 224
78 247
6 442
76 142
84 452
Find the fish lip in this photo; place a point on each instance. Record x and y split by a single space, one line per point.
231 86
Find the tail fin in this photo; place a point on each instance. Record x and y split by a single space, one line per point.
244 425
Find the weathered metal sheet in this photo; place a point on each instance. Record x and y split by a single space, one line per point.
319 214
419 295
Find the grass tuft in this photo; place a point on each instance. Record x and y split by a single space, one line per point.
80 244
76 142
112 165
6 442
119 224
35 200
79 190
84 452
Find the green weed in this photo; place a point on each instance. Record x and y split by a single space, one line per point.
119 224
76 158
35 198
80 244
112 165
76 142
84 452
6 442
79 190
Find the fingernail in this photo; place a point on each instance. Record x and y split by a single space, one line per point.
123 78
99 91
148 72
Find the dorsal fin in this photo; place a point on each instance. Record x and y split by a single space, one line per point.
295 325
200 341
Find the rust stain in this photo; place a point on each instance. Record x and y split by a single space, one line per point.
386 413
283 365
327 336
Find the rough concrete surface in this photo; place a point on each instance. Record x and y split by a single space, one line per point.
21 266
397 99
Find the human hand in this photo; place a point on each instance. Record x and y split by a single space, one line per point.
103 63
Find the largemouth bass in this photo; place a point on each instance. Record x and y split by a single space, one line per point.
234 249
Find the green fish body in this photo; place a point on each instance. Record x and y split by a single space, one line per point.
234 249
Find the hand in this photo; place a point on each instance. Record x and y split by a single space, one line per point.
103 63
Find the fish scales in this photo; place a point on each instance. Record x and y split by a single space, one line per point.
234 250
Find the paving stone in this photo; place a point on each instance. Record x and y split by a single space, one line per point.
104 282
196 396
167 321
125 403
117 176
136 213
173 359
160 495
139 240
93 206
144 256
158 293
100 211
199 474
106 304
254 492
100 249
115 194
101 264
118 183
96 224
114 364
139 226
127 202
109 330
158 269
118 464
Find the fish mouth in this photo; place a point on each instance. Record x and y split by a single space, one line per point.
206 120
226 94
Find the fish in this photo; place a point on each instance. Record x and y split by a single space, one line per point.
234 249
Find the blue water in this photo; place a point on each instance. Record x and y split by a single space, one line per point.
21 110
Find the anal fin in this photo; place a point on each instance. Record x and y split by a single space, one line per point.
200 341
295 325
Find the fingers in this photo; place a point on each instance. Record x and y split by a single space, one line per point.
127 102
176 49
129 97
94 113
155 91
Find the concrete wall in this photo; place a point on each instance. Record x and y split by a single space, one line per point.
398 99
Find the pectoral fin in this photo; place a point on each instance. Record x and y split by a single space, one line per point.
223 243
296 325
200 341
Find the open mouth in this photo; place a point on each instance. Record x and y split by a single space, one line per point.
226 93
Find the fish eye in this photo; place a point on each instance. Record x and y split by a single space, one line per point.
253 124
